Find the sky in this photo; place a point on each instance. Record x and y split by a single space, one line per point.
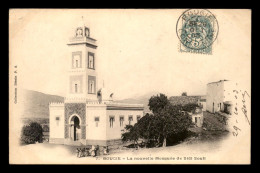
137 50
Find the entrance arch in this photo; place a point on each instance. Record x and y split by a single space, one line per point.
75 127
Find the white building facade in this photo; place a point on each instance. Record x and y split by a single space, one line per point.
197 117
219 96
88 116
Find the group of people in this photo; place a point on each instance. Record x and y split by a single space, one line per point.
93 151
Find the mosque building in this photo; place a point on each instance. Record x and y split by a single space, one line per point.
89 115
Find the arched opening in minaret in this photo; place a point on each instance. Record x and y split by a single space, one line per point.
75 129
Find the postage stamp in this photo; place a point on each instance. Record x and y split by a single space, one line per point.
197 29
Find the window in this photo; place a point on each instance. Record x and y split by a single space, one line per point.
97 121
79 32
87 31
76 88
130 118
57 120
111 121
91 60
76 59
121 120
76 83
138 117
91 84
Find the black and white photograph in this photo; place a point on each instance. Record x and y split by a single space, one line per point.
129 86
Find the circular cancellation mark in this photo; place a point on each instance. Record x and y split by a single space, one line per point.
197 29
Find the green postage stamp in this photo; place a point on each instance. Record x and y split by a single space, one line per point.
197 30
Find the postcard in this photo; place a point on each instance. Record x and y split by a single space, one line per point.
130 86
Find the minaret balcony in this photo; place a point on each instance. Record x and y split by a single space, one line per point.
82 40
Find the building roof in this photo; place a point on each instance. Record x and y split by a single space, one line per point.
202 100
218 81
228 102
183 100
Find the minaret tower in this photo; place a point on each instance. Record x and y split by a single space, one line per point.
82 85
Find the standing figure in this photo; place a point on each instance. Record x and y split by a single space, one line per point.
93 153
78 152
106 150
87 152
97 151
83 152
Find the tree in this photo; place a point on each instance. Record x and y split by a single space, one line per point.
171 121
147 128
167 121
156 103
131 134
45 128
32 133
155 129
189 107
184 94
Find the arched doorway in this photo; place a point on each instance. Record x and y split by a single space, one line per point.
75 129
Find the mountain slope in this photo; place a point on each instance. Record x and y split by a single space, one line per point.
144 99
36 104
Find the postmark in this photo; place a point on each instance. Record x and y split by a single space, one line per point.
197 29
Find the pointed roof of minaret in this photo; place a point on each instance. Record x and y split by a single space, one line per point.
81 22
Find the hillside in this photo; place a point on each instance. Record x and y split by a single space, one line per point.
36 104
144 99
183 100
